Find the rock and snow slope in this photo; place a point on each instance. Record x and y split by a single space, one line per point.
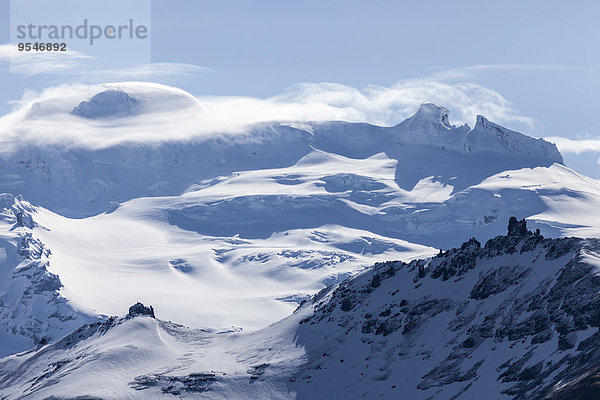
119 194
516 318
32 310
100 263
236 228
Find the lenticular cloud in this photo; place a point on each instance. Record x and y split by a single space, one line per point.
167 113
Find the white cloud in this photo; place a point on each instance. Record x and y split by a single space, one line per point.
154 71
81 67
576 146
446 73
40 62
390 105
45 116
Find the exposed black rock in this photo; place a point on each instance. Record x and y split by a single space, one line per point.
175 385
140 309
518 228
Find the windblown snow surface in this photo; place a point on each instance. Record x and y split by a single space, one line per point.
226 232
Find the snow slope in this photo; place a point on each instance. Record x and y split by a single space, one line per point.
513 319
134 253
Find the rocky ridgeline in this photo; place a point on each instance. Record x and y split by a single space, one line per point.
523 306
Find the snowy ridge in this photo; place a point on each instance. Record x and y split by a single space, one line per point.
513 319
32 310
82 182
488 137
430 126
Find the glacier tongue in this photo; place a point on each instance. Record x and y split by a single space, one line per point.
250 246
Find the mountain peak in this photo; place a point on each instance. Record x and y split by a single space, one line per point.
482 122
489 137
432 113
140 309
107 104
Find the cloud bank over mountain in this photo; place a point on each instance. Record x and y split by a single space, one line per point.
36 116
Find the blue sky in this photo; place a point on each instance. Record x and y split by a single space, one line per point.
541 57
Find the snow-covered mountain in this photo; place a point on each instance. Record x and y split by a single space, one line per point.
69 170
516 318
118 194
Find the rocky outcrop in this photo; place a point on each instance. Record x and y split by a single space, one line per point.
139 309
517 228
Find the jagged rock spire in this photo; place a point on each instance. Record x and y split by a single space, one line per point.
518 228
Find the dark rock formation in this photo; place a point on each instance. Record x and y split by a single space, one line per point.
518 228
140 309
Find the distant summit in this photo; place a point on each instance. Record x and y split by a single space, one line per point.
488 137
107 104
430 126
177 111
430 113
